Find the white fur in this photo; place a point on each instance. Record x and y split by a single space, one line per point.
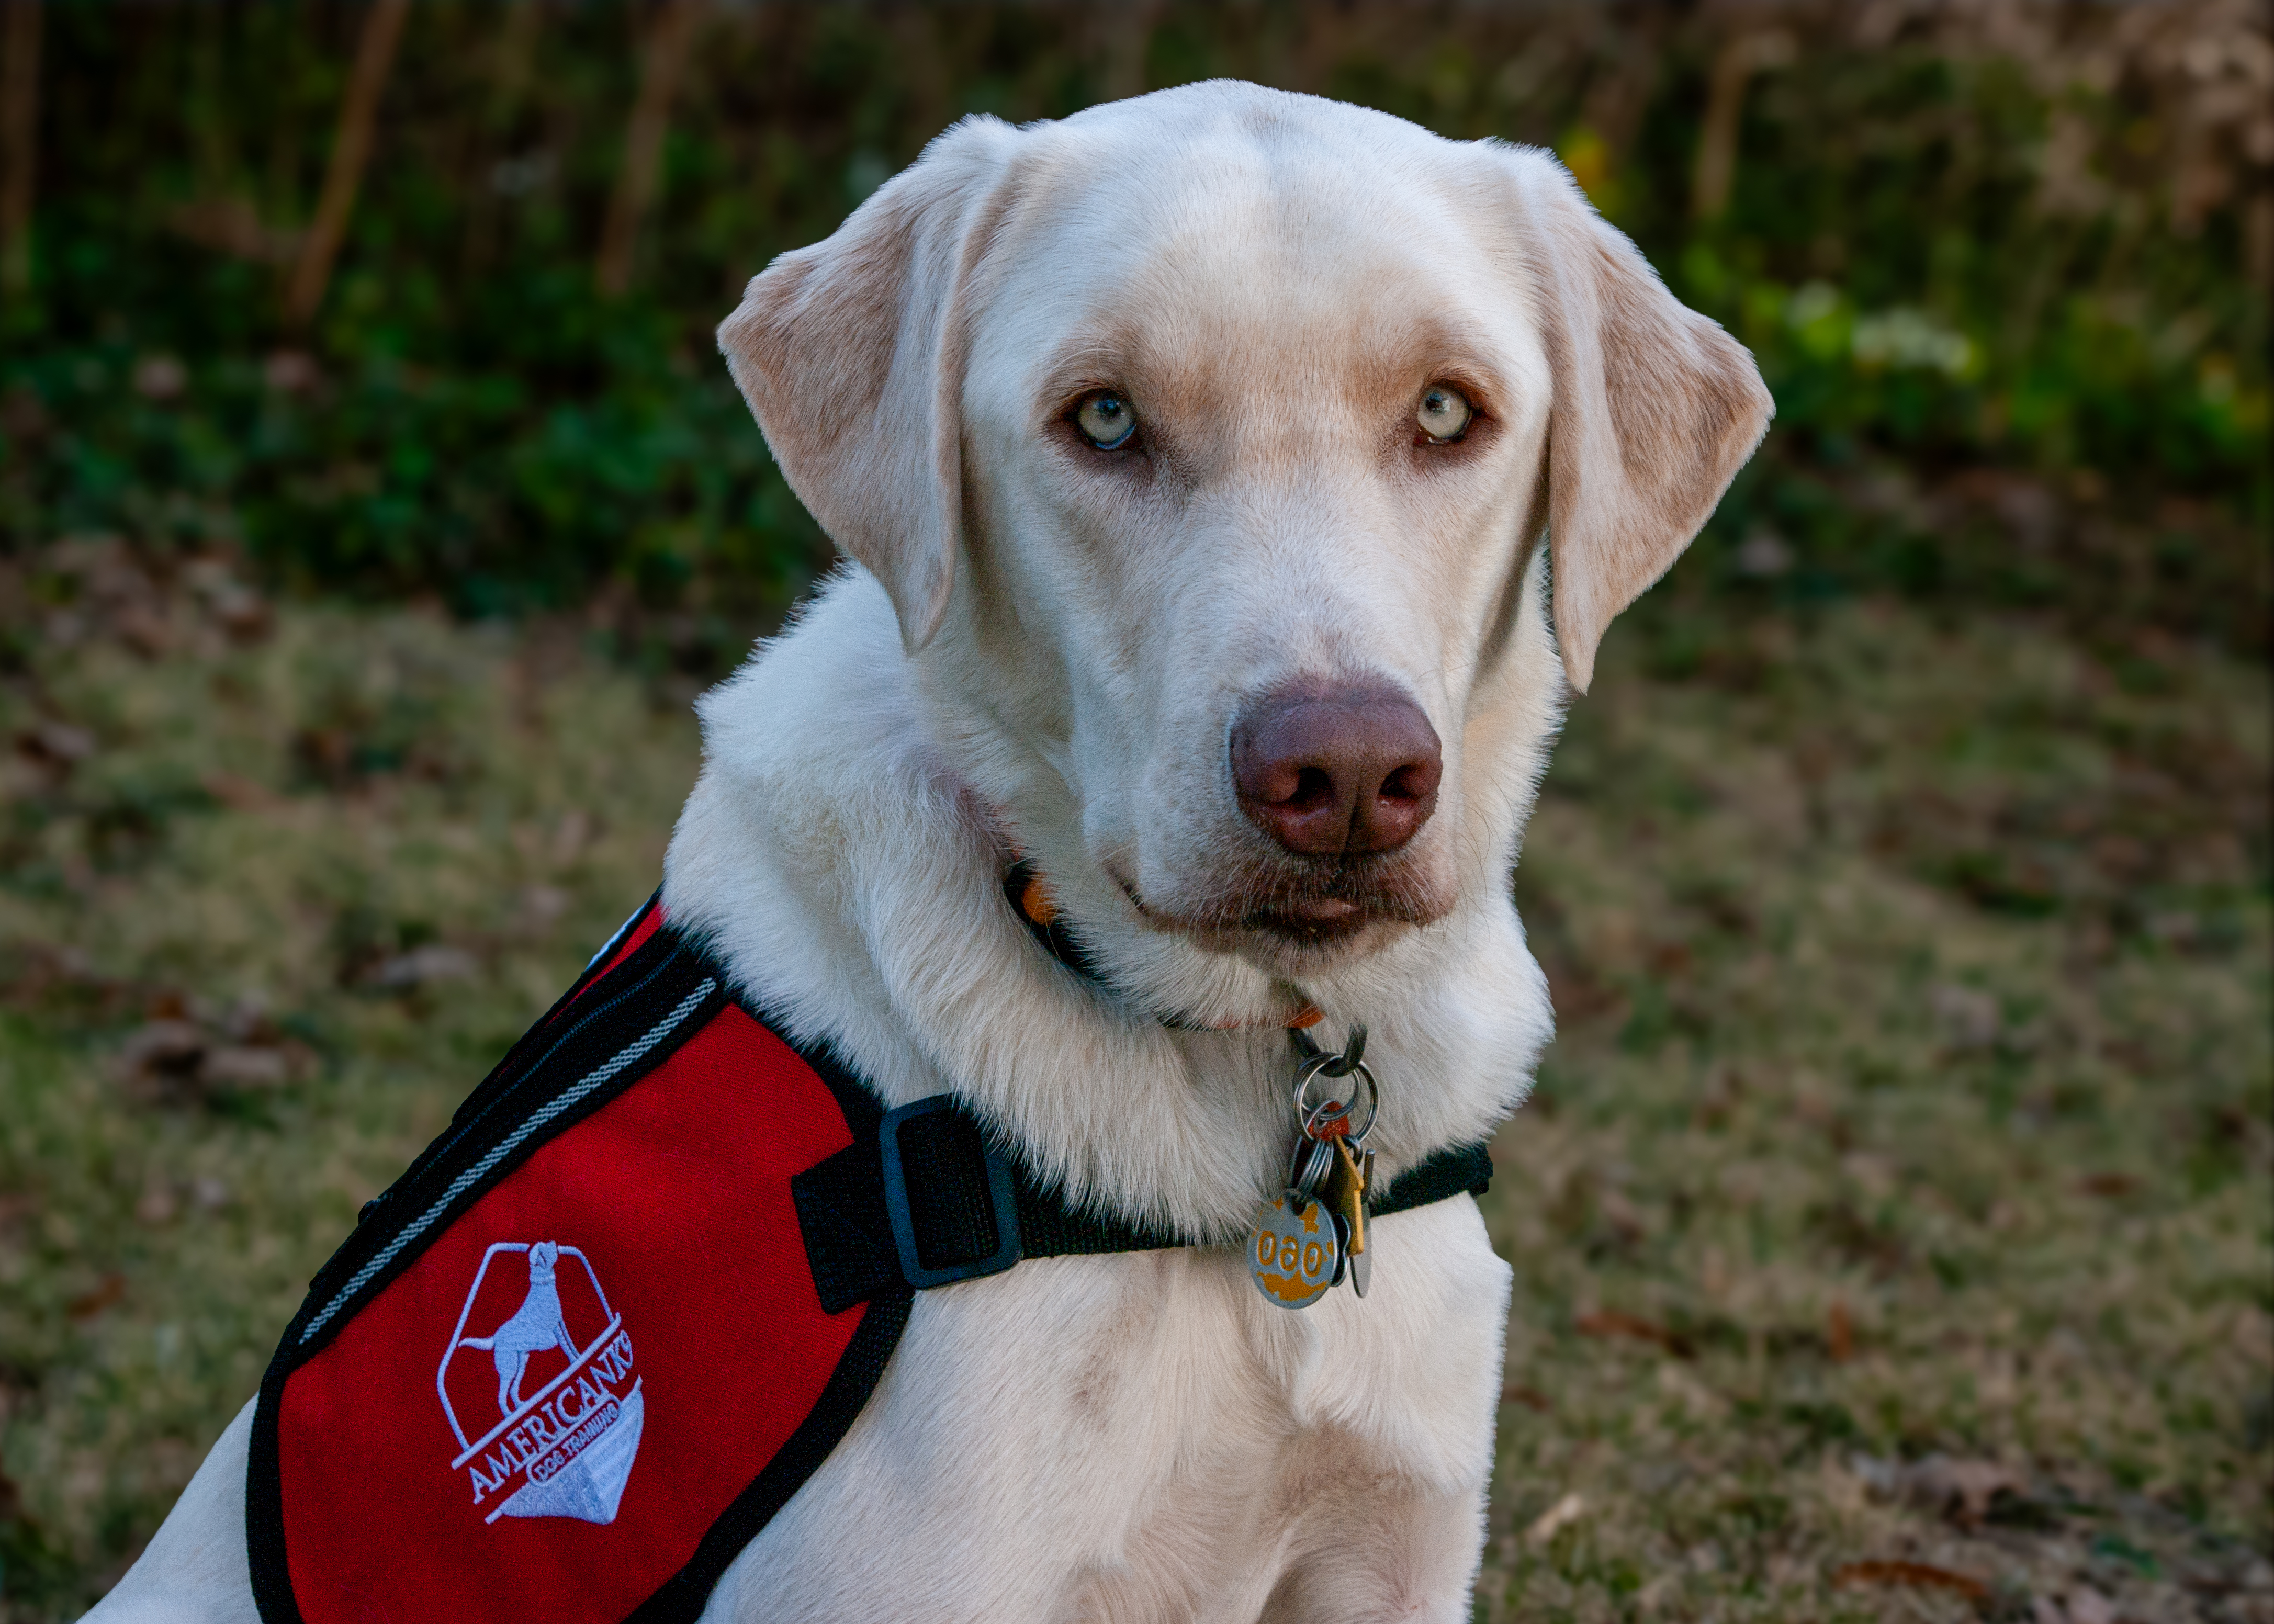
1269 279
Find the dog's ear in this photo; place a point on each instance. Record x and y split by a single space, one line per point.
851 353
1654 410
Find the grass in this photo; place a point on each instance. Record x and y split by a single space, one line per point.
1912 1098
370 846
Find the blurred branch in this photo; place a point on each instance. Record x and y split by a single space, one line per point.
19 130
382 28
1744 55
1954 248
516 50
1127 30
661 62
1619 93
233 226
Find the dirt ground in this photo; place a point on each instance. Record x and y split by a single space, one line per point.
1893 1224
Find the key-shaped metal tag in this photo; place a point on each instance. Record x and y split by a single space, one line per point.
1314 1233
1292 1253
1345 1194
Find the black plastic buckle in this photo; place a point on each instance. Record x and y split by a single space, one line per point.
1001 1185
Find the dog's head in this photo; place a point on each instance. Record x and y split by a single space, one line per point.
542 1258
1202 442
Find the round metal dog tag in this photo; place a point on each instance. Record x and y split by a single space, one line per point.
1293 1254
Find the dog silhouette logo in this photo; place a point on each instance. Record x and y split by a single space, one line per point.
545 1404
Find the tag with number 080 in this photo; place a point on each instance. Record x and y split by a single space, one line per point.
1293 1253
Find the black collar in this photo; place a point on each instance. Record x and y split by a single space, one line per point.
928 1199
1027 892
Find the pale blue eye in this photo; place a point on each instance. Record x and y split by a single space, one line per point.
1444 412
1105 420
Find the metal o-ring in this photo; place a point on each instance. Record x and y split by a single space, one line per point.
1312 1068
1313 1117
1314 1159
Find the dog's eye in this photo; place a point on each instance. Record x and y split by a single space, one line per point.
1105 420
1444 413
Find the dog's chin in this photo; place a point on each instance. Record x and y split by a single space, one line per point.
1295 948
1293 922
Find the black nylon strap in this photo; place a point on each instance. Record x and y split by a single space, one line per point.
1459 1169
848 1238
842 1205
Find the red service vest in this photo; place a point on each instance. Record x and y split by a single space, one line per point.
604 1327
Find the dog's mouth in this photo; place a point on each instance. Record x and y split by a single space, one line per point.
1310 910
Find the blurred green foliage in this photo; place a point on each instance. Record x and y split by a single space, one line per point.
2007 279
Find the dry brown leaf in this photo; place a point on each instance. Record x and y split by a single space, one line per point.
1556 1518
1611 1322
107 1292
1960 1490
157 1204
56 746
166 1046
435 962
1908 1573
243 1066
237 793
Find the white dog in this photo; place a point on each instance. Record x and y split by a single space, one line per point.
536 1327
1196 455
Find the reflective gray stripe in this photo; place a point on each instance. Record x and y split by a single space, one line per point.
622 930
506 1146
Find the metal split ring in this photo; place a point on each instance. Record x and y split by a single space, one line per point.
1314 1116
1307 1170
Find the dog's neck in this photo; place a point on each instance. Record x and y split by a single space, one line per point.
849 880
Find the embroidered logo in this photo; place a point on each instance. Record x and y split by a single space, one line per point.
555 1371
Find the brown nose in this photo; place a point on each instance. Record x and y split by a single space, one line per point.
1326 771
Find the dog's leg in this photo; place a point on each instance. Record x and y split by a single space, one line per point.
512 1364
1382 1554
1370 1535
194 1570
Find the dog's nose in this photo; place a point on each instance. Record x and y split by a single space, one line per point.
1327 770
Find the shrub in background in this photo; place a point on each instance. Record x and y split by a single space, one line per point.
2005 268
